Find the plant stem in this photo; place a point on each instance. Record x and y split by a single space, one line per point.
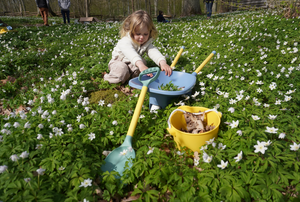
38 181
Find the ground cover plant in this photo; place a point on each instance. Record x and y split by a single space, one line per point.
53 149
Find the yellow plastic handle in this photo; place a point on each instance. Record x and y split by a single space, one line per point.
177 57
137 111
204 62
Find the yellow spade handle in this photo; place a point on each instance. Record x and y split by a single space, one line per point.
204 62
177 58
137 111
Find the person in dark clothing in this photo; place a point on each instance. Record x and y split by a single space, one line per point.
209 5
43 7
64 6
160 17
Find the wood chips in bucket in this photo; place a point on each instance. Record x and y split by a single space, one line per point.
196 123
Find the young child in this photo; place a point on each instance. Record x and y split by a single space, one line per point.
137 34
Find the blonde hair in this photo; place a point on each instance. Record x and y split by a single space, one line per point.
138 18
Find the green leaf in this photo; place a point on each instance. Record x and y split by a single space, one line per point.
235 196
226 191
254 194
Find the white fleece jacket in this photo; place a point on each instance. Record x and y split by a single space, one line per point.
64 4
128 51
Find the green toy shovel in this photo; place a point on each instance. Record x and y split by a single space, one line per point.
117 159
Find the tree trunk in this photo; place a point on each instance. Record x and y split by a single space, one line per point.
86 9
191 7
132 6
174 7
182 7
169 10
124 7
155 7
149 7
51 11
128 7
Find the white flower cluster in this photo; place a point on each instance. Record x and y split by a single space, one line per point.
64 94
84 101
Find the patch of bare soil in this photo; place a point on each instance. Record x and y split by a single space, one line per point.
125 90
7 111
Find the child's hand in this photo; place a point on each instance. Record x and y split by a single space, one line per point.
165 67
142 67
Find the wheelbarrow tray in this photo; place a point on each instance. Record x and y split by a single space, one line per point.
161 97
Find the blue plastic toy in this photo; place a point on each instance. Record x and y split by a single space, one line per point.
183 80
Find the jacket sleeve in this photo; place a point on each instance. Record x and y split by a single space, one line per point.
128 50
69 4
155 54
59 4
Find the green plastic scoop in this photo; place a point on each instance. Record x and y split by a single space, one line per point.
117 159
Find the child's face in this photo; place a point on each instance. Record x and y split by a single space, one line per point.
141 34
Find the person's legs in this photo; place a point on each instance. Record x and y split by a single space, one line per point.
68 16
63 13
118 72
44 14
206 6
209 9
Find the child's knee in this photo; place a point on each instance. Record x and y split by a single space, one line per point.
119 73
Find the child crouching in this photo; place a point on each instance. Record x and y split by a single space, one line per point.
137 34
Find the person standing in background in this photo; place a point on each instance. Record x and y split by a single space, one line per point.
64 6
209 5
43 7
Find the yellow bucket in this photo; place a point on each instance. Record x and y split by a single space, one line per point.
177 121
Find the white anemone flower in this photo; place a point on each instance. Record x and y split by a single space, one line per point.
271 130
124 152
295 147
14 157
207 158
101 103
210 141
281 136
239 156
278 102
150 150
234 124
267 143
3 168
223 164
86 183
40 171
255 118
92 136
239 132
260 147
272 117
24 155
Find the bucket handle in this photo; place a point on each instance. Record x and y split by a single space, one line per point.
209 110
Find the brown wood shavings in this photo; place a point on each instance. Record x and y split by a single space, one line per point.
196 123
